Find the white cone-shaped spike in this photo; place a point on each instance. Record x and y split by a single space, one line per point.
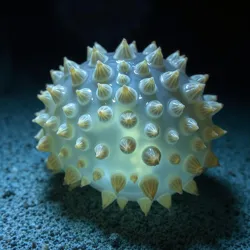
192 91
79 76
200 78
56 75
155 58
102 72
124 51
175 108
67 64
126 96
100 48
104 92
96 55
147 86
142 69
133 46
70 110
150 48
170 80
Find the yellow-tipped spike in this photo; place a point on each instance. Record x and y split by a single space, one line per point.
89 51
53 123
133 46
172 136
107 198
54 164
56 75
147 86
118 181
81 163
211 160
103 92
219 130
102 72
150 48
151 130
142 69
45 144
170 80
65 152
198 144
175 184
96 55
85 181
72 175
85 122
39 135
79 76
192 165
155 58
149 186
145 204
124 51
58 93
70 110
191 188
175 108
66 131
209 134
84 96
126 95
165 200
200 78
188 125
69 64
192 91
100 48
122 202
154 109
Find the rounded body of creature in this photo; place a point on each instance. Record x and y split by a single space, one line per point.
132 125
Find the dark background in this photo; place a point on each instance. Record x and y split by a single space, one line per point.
214 36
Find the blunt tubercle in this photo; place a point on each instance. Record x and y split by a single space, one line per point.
118 182
108 197
65 131
101 151
200 78
70 110
151 156
122 202
104 91
45 144
175 108
165 200
192 91
149 186
105 113
145 204
191 188
97 174
154 109
84 96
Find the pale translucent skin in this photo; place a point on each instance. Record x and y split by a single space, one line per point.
112 131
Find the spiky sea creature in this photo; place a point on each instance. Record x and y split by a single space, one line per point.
132 125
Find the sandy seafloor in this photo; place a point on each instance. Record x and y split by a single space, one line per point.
38 212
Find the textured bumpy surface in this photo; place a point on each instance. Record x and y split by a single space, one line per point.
132 125
38 212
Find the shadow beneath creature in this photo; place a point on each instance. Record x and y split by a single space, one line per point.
192 220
